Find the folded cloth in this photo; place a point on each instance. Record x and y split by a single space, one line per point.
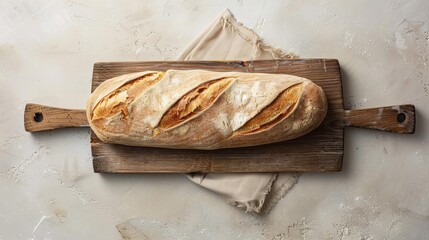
227 39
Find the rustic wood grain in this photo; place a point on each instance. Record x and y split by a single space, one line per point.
40 118
397 119
319 151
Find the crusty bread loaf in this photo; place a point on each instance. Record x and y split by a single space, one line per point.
199 109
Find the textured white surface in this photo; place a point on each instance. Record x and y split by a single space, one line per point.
48 189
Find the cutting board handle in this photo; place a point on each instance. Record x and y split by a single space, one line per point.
397 119
40 118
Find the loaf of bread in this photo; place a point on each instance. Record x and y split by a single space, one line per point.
197 109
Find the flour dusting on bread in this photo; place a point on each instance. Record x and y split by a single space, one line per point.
200 109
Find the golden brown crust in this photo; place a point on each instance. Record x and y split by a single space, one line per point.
204 110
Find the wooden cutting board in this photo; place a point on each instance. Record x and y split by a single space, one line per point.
318 151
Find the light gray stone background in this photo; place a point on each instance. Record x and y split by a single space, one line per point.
49 191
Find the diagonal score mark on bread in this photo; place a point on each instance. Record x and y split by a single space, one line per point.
193 103
279 109
116 102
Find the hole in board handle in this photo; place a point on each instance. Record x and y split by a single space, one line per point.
400 117
38 116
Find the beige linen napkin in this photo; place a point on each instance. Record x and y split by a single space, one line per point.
226 39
